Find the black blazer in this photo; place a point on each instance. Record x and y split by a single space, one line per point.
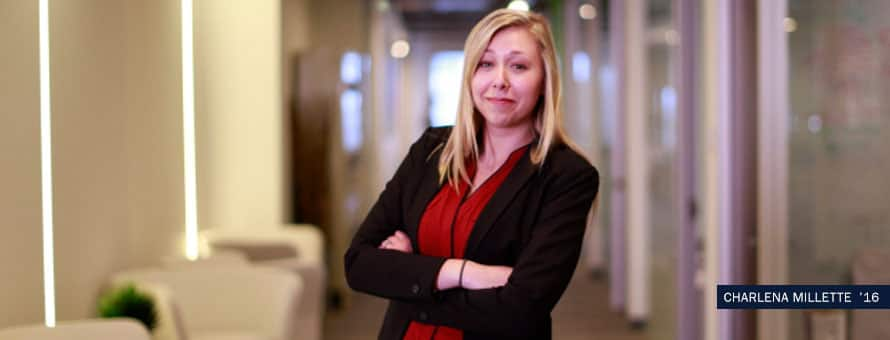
534 223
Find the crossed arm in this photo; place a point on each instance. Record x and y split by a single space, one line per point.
455 273
497 300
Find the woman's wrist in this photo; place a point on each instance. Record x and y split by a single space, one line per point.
449 274
454 273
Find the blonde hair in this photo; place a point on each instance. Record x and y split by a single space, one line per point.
462 143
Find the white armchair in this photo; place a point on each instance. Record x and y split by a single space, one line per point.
231 302
221 259
297 248
93 329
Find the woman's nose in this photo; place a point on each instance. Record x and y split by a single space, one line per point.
500 79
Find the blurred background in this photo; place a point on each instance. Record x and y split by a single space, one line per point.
738 142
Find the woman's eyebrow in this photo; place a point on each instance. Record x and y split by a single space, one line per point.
511 53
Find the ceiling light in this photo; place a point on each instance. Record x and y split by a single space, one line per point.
519 5
400 49
790 24
587 12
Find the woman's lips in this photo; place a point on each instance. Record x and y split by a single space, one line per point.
501 101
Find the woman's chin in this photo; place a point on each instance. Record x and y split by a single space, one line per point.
506 123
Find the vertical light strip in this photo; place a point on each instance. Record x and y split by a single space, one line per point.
637 165
773 113
188 131
46 166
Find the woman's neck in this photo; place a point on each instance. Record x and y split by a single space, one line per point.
498 143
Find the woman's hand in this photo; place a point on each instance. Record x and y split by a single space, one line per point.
475 276
398 241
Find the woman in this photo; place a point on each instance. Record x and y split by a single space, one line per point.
479 231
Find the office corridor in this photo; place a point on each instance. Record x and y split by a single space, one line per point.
738 142
583 313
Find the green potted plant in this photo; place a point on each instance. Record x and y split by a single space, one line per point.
127 301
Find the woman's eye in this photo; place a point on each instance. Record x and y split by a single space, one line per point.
484 64
520 67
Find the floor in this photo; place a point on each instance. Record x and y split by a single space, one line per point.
583 313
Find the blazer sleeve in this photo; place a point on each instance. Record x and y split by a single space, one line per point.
388 273
540 276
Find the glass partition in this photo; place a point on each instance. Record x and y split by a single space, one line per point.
661 106
838 140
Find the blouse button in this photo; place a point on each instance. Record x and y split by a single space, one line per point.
415 289
423 316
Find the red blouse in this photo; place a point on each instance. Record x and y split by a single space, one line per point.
441 233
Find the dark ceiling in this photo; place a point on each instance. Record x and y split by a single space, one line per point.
435 15
461 15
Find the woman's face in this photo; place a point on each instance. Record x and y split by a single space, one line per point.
508 79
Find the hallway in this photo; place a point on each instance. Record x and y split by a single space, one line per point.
583 313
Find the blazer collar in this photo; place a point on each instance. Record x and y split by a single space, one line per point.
429 186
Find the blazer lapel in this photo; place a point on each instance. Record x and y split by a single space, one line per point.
518 177
429 186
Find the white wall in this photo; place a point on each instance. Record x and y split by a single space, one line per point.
117 138
117 159
154 151
117 142
21 290
89 173
239 113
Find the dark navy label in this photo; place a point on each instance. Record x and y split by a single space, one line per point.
803 296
